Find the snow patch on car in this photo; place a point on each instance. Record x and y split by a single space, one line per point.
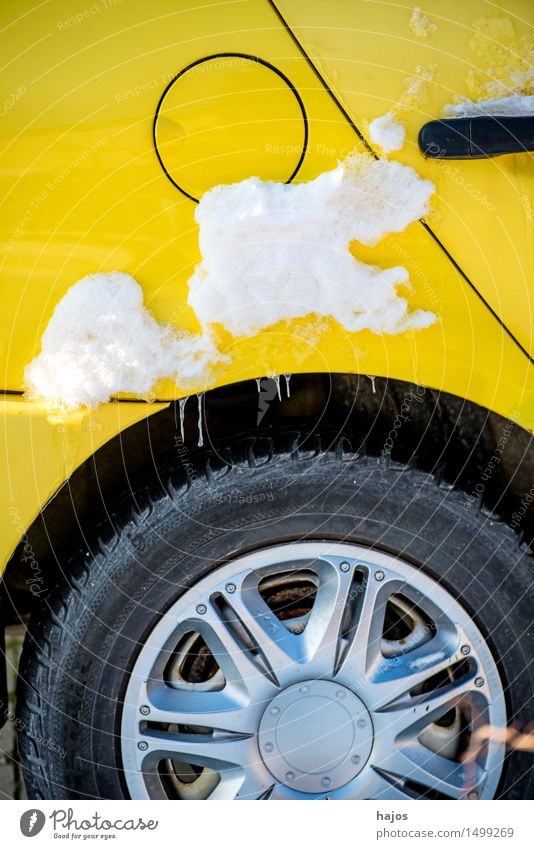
273 252
388 133
500 79
102 340
502 59
512 105
418 88
420 24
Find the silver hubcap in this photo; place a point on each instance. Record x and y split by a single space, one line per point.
313 670
315 736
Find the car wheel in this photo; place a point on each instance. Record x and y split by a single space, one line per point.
284 624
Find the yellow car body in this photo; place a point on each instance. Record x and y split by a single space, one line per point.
83 191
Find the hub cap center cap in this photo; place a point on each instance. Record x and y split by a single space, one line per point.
315 736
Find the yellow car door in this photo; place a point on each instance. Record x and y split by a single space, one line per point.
380 57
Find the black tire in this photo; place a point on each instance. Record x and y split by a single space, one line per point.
80 648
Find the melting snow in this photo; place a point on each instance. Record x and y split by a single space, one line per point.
276 378
372 378
514 104
418 88
200 398
287 378
420 24
387 132
181 403
273 252
101 340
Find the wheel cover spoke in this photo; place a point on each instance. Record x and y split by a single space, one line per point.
363 649
415 763
407 718
223 711
200 749
278 647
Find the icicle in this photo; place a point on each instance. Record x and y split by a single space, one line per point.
276 378
182 402
372 379
287 379
258 383
200 396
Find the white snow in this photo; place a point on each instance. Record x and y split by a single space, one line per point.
514 105
418 88
274 252
271 252
420 24
388 133
101 340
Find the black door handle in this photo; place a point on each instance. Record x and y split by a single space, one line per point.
478 137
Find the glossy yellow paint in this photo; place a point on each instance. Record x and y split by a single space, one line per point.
222 109
82 191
